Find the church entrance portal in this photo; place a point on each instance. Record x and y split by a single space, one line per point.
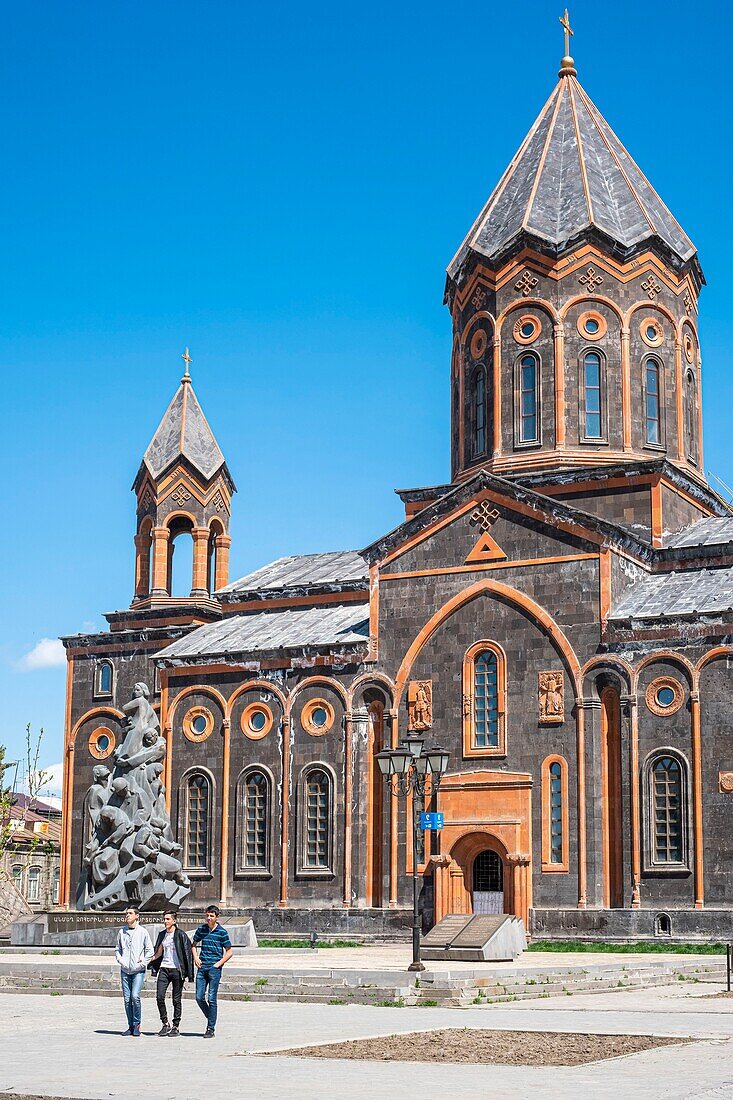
488 883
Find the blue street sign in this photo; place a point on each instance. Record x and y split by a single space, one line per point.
431 821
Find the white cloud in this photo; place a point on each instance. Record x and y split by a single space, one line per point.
52 779
48 653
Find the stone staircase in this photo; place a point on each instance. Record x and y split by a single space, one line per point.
482 985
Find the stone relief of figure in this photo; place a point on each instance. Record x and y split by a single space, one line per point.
420 704
551 697
131 855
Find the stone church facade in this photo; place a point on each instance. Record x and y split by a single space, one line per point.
559 616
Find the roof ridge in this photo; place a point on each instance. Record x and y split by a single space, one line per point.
543 156
573 84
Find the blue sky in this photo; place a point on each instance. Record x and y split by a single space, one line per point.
280 186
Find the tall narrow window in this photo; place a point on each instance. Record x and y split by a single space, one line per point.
486 701
593 396
105 674
198 807
653 423
256 791
554 814
667 799
528 420
479 413
17 874
690 416
316 821
56 884
34 883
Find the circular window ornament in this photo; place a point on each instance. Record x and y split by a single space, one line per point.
257 720
526 329
652 332
102 743
592 325
664 695
318 717
479 341
198 724
689 346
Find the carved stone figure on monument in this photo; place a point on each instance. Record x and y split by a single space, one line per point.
420 704
551 691
131 855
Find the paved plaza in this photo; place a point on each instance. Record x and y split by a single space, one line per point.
71 1046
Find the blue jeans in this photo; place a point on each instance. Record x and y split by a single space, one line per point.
132 985
208 978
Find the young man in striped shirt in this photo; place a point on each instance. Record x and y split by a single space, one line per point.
212 948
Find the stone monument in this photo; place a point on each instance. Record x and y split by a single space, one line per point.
131 856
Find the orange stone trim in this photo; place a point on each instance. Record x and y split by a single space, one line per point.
248 713
189 732
480 567
306 717
653 690
94 749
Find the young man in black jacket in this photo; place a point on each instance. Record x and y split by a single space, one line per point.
173 963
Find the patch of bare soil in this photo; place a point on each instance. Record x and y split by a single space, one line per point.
479 1046
716 996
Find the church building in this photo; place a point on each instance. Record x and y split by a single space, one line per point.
558 616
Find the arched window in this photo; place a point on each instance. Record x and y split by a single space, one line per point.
17 873
554 814
254 814
197 821
34 884
105 678
316 828
652 387
180 557
592 396
528 397
667 794
666 826
484 700
479 412
691 416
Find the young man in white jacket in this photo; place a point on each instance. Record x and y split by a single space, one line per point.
133 952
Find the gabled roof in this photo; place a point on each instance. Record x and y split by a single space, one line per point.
184 432
341 567
570 175
676 595
711 531
337 625
551 510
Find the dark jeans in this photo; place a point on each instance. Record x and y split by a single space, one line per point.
132 985
208 979
169 976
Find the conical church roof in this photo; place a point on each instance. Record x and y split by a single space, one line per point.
570 175
184 433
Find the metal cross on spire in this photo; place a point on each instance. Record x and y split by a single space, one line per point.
565 22
187 360
567 68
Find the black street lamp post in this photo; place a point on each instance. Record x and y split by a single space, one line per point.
410 765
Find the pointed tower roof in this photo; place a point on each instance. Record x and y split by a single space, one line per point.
184 432
572 175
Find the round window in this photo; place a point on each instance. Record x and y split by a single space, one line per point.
665 695
318 717
528 329
257 720
198 723
689 347
101 743
592 325
479 341
651 332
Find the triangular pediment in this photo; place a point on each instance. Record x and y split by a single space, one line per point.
489 521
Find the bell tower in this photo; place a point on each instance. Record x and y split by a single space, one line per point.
574 303
184 492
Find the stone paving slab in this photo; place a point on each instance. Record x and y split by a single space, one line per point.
71 1047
